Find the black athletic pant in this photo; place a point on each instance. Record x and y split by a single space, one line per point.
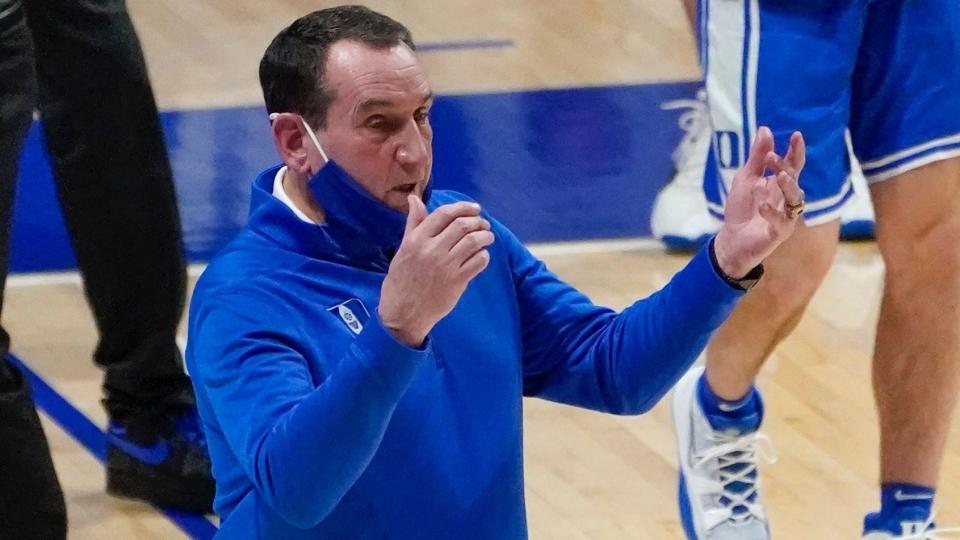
80 64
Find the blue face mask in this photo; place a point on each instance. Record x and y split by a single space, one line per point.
352 216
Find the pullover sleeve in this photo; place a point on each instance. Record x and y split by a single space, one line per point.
577 353
302 443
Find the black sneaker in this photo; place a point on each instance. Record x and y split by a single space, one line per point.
169 469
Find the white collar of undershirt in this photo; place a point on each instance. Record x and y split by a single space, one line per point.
281 194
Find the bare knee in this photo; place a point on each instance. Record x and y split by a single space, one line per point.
918 226
924 257
791 291
797 269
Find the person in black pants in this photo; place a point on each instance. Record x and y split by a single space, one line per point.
79 62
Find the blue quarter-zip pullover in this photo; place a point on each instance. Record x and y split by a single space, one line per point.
321 425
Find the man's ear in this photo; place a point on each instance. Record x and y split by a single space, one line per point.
291 142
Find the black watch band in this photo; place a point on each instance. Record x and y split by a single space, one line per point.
745 283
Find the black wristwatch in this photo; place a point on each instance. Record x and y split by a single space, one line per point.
745 283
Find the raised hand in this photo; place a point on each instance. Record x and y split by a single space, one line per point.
440 254
762 210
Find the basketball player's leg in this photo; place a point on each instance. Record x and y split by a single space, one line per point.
916 365
905 125
762 69
917 359
771 311
722 400
31 502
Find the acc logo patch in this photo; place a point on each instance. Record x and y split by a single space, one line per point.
352 313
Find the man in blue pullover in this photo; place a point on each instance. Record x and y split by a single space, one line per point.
361 349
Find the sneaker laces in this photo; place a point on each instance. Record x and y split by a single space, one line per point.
695 122
732 459
927 530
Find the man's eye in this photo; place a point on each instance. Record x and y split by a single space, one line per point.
422 116
376 122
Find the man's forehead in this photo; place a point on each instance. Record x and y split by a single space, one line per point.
381 74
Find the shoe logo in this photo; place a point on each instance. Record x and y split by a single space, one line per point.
352 313
151 455
900 496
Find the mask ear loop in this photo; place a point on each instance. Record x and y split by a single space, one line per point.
313 136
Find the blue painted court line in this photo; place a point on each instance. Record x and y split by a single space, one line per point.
464 45
90 437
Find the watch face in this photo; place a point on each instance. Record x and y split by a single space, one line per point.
751 278
748 283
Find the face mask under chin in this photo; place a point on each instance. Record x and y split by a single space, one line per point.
351 213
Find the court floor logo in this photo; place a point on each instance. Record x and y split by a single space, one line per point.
352 313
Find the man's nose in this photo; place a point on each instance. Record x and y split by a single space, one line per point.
412 150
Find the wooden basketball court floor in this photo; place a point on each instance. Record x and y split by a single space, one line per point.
589 476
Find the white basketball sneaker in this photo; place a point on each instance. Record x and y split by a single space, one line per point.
680 219
719 483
